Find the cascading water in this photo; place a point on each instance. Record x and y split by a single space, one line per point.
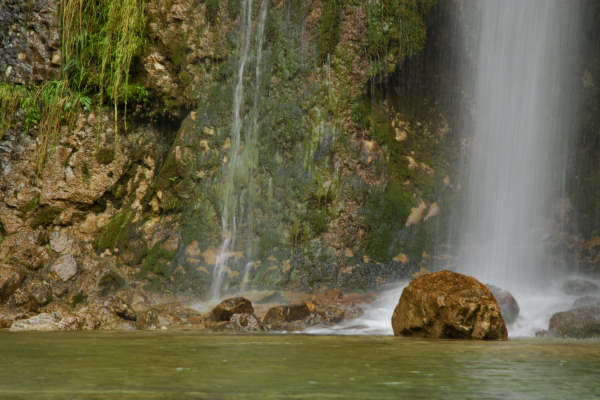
515 170
522 123
233 191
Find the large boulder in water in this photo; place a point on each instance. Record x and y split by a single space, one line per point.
508 305
446 304
582 322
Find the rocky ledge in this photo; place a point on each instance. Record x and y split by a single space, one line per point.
129 310
449 305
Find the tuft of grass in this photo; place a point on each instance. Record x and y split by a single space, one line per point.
100 40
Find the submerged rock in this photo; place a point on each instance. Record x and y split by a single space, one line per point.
582 322
446 304
508 305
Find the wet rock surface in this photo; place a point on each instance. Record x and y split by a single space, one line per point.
582 322
580 287
448 305
508 305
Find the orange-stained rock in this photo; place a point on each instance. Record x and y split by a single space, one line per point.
446 304
228 307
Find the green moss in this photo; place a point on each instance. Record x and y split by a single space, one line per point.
105 156
233 8
329 28
212 10
384 216
79 298
114 232
31 206
157 260
111 282
45 216
395 31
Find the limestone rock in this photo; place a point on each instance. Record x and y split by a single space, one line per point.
508 305
10 279
65 267
245 322
41 291
582 322
46 322
446 304
227 308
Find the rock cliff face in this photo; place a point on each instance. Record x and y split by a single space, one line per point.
112 159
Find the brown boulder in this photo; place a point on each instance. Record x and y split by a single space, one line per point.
286 317
582 322
449 305
227 308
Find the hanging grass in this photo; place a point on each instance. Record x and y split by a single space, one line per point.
100 39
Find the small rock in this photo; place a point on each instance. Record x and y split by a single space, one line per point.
65 267
227 308
508 305
245 322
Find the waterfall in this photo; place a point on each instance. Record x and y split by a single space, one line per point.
241 158
518 142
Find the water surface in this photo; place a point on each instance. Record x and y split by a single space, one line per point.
190 365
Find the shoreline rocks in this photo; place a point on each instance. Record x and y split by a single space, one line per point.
448 305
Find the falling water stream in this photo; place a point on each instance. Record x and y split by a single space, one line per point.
519 143
233 196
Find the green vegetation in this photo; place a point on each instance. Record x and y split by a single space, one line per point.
100 40
157 262
114 232
77 299
44 216
329 29
384 216
395 31
212 10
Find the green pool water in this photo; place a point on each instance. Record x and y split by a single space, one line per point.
189 365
